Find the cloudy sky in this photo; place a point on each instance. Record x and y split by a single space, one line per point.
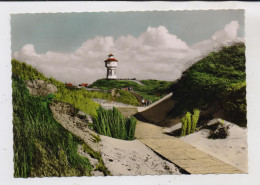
72 47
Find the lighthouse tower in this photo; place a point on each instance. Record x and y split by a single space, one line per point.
111 64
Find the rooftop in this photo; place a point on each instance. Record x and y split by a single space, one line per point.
111 58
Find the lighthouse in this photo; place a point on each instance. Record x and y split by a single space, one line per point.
111 64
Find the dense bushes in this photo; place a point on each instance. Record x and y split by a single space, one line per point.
219 77
42 147
234 103
113 124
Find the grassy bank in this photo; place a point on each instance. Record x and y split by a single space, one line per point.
77 97
152 89
42 147
218 79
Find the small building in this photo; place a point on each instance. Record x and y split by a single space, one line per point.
111 64
69 84
83 85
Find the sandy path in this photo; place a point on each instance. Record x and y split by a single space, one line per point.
110 104
133 158
119 156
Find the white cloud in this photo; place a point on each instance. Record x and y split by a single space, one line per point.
155 54
228 33
223 37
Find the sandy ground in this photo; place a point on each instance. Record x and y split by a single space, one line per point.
232 150
110 104
133 158
119 156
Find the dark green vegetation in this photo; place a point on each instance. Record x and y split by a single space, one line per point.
42 147
113 124
189 122
152 89
217 82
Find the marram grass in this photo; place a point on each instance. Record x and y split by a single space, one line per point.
189 122
113 124
42 147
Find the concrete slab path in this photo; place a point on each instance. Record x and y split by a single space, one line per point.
184 155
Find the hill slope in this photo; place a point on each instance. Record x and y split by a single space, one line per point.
216 85
151 89
42 147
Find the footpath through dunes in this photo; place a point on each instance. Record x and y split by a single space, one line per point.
186 156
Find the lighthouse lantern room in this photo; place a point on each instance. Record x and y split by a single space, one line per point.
111 64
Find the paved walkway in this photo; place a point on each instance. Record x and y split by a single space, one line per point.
181 153
184 155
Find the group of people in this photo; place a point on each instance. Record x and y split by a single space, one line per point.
128 89
146 102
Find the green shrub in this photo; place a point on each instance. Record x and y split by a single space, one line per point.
184 126
189 122
188 118
113 124
234 103
195 119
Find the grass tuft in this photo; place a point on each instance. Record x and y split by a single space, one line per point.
189 122
113 124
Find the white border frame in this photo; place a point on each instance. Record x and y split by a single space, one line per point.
252 30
